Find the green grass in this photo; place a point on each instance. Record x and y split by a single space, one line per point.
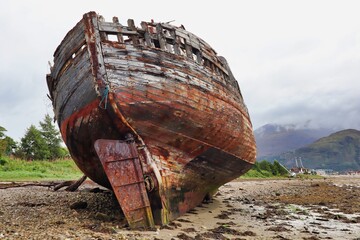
21 170
309 176
253 173
263 174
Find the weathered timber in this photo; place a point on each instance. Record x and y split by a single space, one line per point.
71 185
166 93
30 184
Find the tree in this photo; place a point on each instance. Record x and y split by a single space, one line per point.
3 144
33 146
265 165
43 143
274 170
11 145
256 166
281 170
52 137
7 144
2 130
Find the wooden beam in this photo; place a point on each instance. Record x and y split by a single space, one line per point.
134 38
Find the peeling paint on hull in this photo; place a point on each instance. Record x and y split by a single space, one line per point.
161 91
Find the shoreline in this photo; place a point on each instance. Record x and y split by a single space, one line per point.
242 209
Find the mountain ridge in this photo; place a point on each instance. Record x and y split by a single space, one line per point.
274 139
340 151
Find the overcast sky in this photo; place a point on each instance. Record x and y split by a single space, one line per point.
296 62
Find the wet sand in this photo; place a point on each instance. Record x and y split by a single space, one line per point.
246 209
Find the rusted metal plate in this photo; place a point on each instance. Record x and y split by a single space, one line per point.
122 167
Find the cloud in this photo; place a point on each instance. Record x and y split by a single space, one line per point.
318 78
295 61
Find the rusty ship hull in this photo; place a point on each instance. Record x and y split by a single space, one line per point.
151 112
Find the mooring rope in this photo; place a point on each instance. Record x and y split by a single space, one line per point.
104 98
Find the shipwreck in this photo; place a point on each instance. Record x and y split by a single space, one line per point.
151 112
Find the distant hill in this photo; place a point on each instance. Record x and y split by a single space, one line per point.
339 151
274 139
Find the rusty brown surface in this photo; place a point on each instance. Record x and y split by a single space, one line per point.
171 91
122 166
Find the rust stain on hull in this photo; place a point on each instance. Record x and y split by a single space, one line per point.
160 93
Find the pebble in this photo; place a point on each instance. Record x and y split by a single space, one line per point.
102 217
56 217
79 205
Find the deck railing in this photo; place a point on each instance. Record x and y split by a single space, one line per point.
169 38
164 36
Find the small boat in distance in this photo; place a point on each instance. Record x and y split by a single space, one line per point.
151 112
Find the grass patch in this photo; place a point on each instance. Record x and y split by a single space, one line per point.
253 173
265 169
21 170
309 176
263 174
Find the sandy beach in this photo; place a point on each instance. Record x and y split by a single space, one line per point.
326 208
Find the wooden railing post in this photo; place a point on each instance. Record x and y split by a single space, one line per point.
134 38
119 35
